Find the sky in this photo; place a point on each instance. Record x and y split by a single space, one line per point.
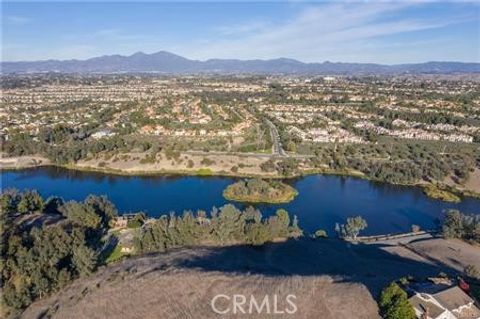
343 31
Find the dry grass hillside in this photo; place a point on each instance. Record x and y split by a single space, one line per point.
330 278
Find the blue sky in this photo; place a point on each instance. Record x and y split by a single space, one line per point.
379 31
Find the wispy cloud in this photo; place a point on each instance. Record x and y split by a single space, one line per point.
17 20
242 29
368 31
318 32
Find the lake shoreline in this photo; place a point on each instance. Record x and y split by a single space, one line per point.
27 162
322 200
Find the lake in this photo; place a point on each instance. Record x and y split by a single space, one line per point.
322 201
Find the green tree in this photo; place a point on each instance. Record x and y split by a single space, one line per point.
282 215
84 260
30 202
229 224
82 215
257 234
453 225
103 208
354 225
291 146
394 303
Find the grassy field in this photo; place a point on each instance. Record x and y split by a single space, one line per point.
330 278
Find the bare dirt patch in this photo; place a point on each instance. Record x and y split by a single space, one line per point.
454 253
185 163
20 162
473 182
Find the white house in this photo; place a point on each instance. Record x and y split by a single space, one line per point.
449 303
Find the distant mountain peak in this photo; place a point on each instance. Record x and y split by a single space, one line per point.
167 62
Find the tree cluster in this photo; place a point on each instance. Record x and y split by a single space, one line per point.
46 244
352 228
227 225
462 226
400 162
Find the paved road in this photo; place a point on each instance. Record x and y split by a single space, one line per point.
277 144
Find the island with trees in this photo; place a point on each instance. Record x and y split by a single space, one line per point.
257 190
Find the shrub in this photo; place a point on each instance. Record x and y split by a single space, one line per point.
268 166
321 234
207 162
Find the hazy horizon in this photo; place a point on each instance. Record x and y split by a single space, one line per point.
215 58
366 32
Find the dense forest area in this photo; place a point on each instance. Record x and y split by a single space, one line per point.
47 243
400 162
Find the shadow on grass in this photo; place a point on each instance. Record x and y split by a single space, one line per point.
367 264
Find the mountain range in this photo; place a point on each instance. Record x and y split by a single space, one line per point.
169 63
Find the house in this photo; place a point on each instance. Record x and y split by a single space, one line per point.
102 133
440 302
122 220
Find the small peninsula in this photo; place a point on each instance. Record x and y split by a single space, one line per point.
257 190
441 194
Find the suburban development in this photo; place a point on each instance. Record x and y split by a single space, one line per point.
274 159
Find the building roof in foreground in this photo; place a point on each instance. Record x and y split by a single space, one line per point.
423 305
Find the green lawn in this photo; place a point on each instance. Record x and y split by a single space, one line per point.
204 172
115 255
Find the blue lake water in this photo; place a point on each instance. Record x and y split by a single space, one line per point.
322 200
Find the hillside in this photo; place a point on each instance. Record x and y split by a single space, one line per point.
330 278
169 63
